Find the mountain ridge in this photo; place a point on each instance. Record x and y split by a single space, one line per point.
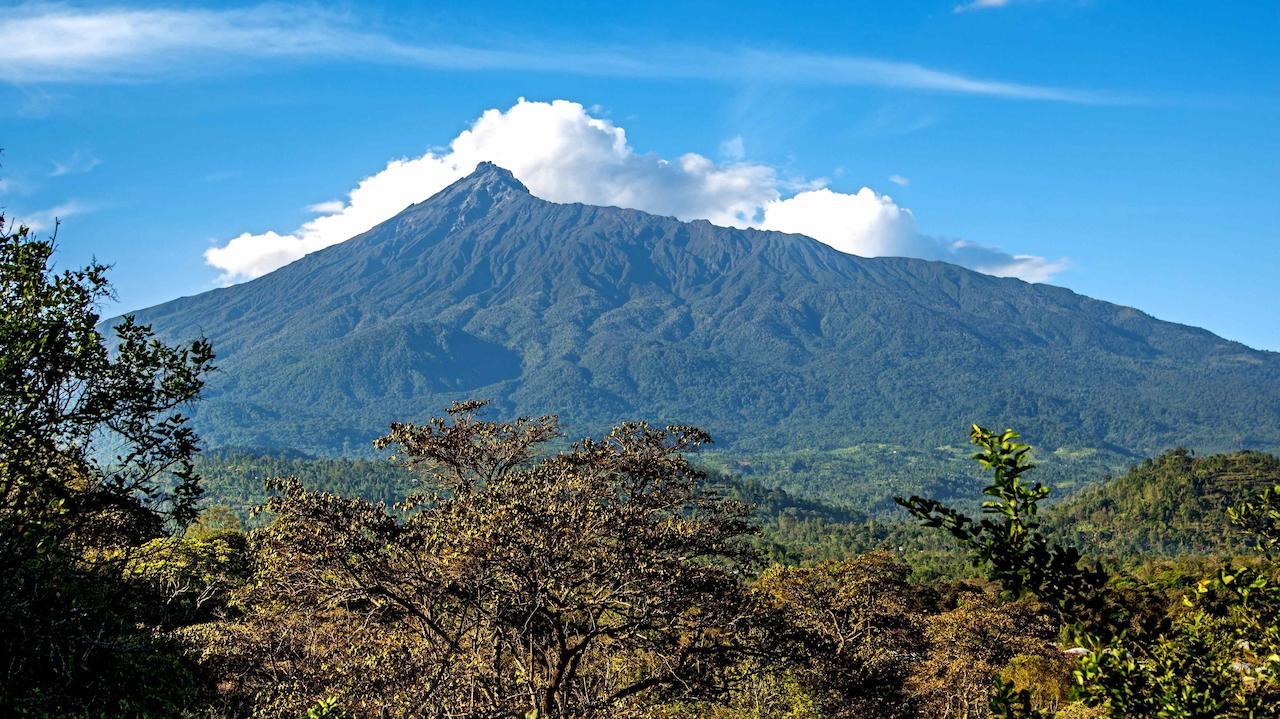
769 340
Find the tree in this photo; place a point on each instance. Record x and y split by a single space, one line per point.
1217 654
969 644
851 631
585 583
95 460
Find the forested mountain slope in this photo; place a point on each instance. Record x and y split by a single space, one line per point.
772 342
1168 505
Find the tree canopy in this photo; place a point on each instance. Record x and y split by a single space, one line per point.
95 461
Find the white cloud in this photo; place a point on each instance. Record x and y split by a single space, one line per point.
980 5
974 5
863 223
872 225
899 180
996 262
560 151
733 149
79 163
43 221
327 207
563 153
250 255
57 43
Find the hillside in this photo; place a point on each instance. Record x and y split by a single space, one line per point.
1170 505
775 343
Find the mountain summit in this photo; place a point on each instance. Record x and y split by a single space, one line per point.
769 340
487 183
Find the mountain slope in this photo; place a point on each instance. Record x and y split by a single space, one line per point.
1168 505
770 341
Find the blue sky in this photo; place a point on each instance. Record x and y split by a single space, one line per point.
1127 150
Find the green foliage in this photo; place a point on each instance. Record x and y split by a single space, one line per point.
237 478
195 574
1260 519
329 708
1008 701
1167 506
1215 656
95 462
1010 544
867 477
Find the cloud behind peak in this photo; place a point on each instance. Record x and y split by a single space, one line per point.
564 153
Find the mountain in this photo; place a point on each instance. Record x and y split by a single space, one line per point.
773 342
1166 506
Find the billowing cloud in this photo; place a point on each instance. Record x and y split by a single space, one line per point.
557 149
327 207
563 153
863 223
873 225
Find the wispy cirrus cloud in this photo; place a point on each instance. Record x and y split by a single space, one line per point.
975 5
67 44
980 5
43 221
78 163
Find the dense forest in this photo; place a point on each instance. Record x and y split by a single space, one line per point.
786 529
1163 508
1166 506
501 568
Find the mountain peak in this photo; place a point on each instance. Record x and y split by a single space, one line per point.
486 187
491 179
